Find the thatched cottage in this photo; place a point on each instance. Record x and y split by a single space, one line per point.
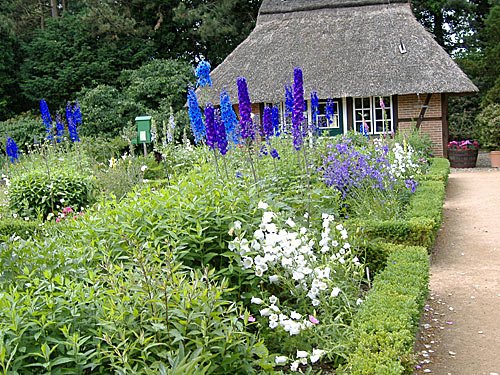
356 52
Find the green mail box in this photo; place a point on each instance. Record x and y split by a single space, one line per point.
143 129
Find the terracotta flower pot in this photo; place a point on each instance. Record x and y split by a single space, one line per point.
495 159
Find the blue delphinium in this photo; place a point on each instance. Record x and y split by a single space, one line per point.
221 135
210 126
59 128
330 111
195 118
245 108
274 154
298 109
72 126
267 122
46 118
77 114
228 117
288 101
12 150
276 120
202 72
411 185
314 108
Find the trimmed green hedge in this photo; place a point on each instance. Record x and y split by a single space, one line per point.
19 227
385 327
423 217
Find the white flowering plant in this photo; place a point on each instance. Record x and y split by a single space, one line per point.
309 278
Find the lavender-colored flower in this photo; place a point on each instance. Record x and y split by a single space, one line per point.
298 109
12 150
267 122
263 150
220 133
276 120
381 102
314 107
288 101
228 117
46 118
330 111
411 185
210 126
72 129
202 72
245 107
59 128
274 154
195 118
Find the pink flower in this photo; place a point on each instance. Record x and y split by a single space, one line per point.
382 104
58 219
313 320
251 319
67 210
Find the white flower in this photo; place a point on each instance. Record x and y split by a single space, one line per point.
256 300
263 205
297 275
302 354
290 222
271 227
303 230
237 225
339 227
294 366
267 217
347 245
315 302
258 234
324 249
273 324
143 168
335 243
274 308
341 260
273 299
247 262
280 360
273 317
316 355
343 234
259 272
273 279
359 301
303 361
265 312
335 292
295 315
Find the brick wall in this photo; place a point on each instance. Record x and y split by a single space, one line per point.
409 107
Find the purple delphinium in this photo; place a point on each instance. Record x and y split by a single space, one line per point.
330 111
202 73
298 108
195 118
12 150
276 120
46 118
314 108
245 108
267 122
228 117
274 154
59 128
72 129
220 131
210 126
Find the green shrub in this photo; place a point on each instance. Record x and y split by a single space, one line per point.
20 227
488 127
438 170
386 325
36 194
24 129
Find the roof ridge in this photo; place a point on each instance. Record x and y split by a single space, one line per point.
290 6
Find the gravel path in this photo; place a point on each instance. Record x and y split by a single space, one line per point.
460 330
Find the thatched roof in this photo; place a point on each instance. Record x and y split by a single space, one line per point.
346 48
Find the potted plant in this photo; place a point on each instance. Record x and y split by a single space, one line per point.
463 154
488 131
